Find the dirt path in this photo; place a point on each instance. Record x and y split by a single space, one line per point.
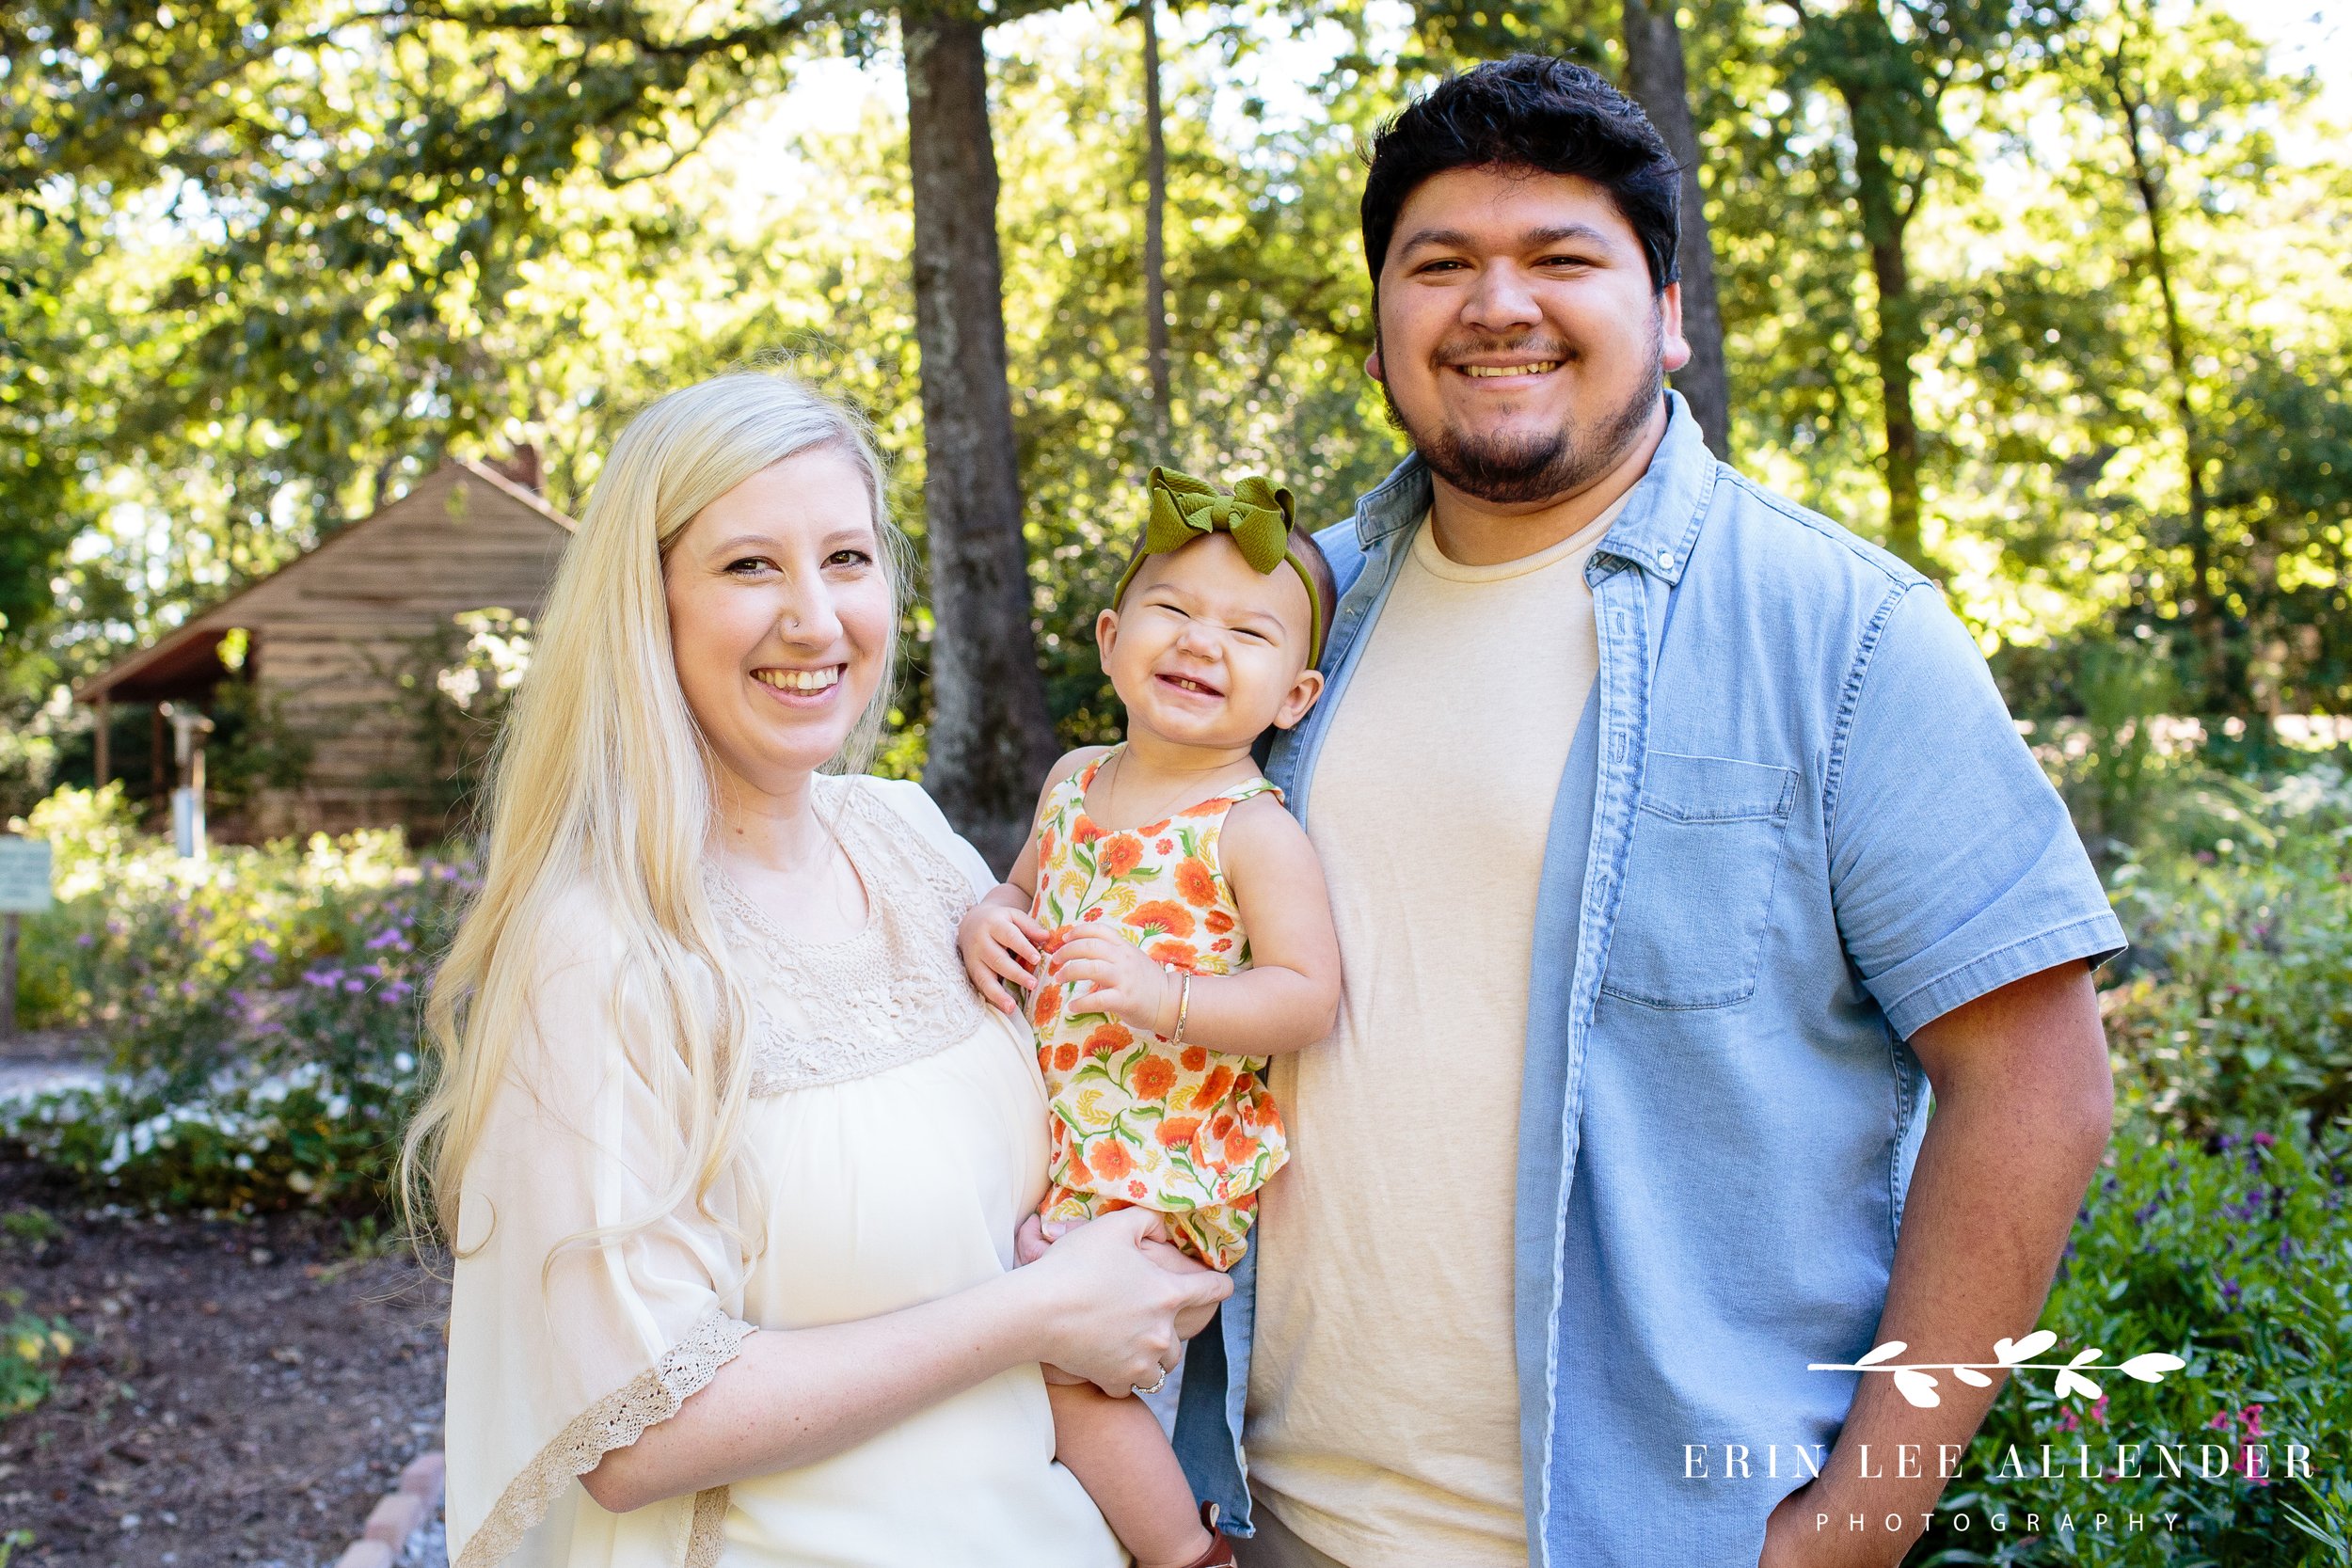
241 1393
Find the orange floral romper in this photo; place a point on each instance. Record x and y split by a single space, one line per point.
1189 1132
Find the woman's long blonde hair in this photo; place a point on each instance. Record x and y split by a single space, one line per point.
600 785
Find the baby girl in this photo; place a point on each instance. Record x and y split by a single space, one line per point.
1179 914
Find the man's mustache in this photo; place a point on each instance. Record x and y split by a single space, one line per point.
1457 352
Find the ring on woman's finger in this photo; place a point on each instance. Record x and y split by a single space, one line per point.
1156 1384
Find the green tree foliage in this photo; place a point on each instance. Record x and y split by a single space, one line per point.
1269 313
2191 421
260 265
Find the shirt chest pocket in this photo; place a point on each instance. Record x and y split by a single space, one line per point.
1698 881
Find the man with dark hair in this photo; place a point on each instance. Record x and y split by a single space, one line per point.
1678 843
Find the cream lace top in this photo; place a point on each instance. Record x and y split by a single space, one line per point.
895 1136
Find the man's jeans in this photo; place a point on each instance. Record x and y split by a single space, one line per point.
1275 1547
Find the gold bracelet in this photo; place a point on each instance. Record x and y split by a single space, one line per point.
1184 1004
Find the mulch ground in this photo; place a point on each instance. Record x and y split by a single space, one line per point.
240 1393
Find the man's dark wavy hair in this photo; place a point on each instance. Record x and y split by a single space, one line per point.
1530 111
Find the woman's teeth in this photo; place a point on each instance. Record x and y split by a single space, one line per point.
1541 368
798 680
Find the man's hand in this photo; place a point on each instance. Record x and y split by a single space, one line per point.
999 944
1120 980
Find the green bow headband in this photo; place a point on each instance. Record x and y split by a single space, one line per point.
1259 516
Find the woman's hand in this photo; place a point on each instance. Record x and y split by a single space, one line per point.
1110 1306
999 942
1031 1241
1120 979
1192 1320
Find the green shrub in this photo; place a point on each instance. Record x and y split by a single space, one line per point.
2235 1008
246 1140
262 1007
2235 1255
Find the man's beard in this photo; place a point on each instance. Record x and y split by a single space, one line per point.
1513 471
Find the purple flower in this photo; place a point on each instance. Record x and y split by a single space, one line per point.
260 953
383 939
325 978
2265 1139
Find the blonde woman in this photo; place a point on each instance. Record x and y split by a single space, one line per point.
731 1155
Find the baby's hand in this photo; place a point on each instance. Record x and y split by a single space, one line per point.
1030 1242
999 944
1122 980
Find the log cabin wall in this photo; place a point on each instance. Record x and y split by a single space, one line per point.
334 633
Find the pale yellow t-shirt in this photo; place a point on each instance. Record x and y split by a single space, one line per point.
1383 1422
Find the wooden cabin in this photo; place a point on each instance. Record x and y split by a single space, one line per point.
339 647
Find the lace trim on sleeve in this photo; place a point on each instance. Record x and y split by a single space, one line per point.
707 1538
616 1421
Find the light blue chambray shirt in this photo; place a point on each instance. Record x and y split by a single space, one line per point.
1797 824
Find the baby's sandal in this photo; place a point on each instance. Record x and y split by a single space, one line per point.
1220 1552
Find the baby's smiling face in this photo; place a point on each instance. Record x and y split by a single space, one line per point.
1205 650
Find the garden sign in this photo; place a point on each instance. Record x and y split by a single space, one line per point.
23 890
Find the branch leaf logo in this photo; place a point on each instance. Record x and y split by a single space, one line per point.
1916 1382
1917 1387
2071 1382
2151 1367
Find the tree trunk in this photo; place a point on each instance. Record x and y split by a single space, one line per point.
1885 217
1655 76
2223 681
991 738
1154 229
1898 337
